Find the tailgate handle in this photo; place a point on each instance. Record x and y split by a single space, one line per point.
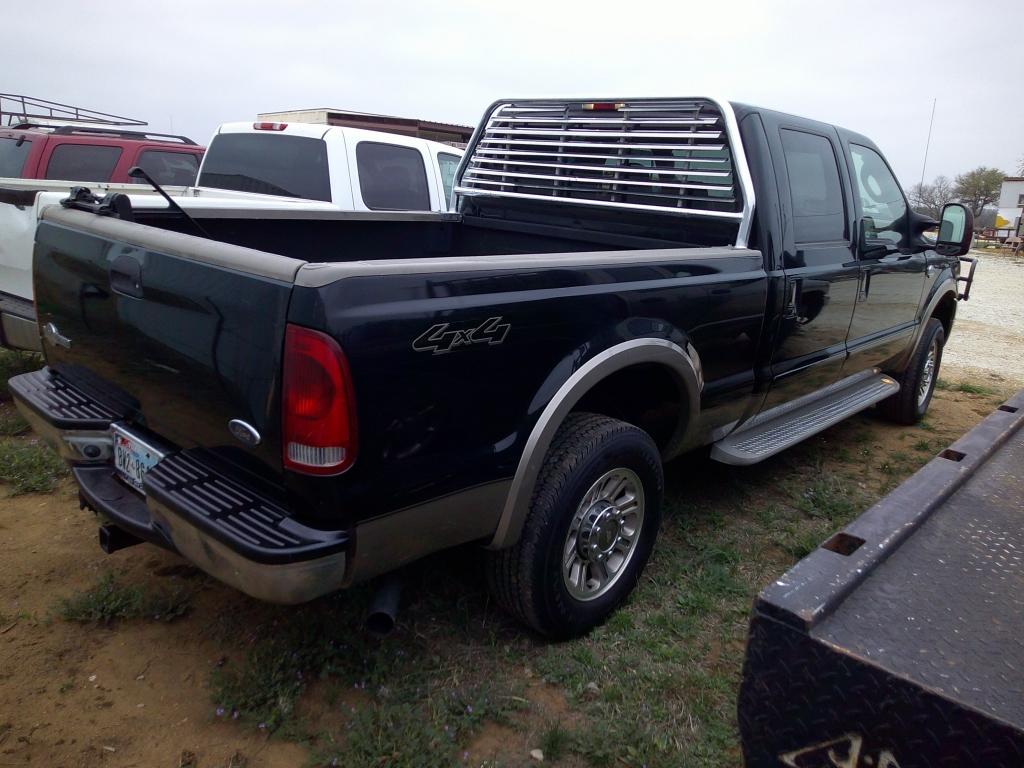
126 276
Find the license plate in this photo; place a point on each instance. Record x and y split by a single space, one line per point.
133 457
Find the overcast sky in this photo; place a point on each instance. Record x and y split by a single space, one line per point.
870 66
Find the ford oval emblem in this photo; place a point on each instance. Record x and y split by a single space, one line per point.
245 432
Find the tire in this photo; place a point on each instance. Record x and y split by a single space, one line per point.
530 580
917 382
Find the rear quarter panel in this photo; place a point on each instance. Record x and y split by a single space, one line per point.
433 421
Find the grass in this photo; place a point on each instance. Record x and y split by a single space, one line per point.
655 685
29 466
13 363
26 464
109 600
11 423
966 387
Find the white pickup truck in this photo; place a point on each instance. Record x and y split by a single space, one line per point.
249 171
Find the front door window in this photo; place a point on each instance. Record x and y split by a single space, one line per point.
879 197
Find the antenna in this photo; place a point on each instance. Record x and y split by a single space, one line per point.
928 143
23 109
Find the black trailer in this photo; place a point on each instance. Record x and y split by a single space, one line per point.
900 641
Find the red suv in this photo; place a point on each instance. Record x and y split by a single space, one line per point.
77 153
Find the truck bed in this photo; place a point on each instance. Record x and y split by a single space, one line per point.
913 642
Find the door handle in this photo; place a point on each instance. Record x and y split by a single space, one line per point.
126 276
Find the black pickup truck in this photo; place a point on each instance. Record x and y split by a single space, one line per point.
296 402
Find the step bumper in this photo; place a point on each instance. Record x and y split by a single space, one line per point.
227 528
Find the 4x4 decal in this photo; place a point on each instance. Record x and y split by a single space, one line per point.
438 339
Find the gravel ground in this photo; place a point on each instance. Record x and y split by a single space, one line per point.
989 331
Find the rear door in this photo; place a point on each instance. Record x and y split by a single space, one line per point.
77 160
167 167
179 333
391 175
892 273
820 268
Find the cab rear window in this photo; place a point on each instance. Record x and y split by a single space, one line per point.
82 162
268 164
13 153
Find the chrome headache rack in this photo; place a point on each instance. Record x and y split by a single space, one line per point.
677 156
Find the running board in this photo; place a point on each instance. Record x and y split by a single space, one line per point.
749 445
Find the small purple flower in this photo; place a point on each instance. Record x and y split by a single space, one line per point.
234 714
220 711
469 709
465 756
262 726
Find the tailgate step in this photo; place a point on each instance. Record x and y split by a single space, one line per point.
63 404
754 443
251 524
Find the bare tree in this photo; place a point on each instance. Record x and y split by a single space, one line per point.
979 188
1020 166
929 199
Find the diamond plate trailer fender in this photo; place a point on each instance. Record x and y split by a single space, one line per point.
899 641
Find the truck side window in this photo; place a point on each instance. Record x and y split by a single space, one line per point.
173 168
392 178
82 162
13 153
448 165
814 188
878 194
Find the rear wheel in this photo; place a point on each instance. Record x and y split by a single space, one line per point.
917 382
590 530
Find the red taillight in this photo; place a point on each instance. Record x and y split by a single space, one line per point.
603 106
318 407
270 126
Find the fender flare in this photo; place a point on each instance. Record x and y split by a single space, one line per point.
683 362
943 287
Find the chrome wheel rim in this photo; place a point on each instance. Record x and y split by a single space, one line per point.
928 375
603 534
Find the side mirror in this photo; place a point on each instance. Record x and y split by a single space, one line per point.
956 230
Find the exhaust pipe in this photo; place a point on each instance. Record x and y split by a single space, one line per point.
113 538
383 613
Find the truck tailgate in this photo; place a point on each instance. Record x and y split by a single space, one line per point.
178 333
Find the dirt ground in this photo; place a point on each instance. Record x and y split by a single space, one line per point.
136 692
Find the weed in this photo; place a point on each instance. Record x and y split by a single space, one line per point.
555 742
925 446
943 385
109 600
926 425
974 389
396 735
29 466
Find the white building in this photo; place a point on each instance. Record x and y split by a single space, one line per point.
1011 204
